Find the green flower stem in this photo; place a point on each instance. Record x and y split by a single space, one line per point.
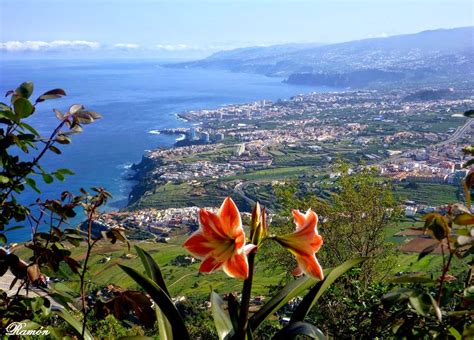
245 303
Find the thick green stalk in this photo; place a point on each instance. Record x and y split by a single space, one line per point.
245 302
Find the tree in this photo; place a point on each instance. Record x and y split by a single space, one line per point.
352 219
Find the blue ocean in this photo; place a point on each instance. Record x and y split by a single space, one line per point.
134 98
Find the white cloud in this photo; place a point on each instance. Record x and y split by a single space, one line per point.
124 46
39 46
56 45
173 48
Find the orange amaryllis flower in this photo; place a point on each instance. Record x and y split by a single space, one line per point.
304 242
220 241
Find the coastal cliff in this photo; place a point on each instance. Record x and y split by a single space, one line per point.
143 176
357 79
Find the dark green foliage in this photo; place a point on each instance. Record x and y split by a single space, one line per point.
20 308
290 291
412 311
198 319
267 329
312 297
352 307
111 328
299 328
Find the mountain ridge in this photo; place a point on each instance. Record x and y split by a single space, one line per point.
441 54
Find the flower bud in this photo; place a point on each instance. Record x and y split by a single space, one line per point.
258 226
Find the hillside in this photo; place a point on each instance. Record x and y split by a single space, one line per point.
436 55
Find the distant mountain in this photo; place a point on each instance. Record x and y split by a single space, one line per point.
444 54
257 52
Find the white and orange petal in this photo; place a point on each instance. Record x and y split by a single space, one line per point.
309 265
220 241
211 225
237 266
198 245
230 217
210 264
307 221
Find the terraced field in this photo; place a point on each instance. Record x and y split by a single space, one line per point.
427 193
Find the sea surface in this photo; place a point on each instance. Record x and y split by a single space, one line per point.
135 98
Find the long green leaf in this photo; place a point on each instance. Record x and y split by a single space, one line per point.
454 332
164 327
291 290
221 317
152 269
162 300
299 328
74 323
233 306
315 293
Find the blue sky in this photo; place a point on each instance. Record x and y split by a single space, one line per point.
177 27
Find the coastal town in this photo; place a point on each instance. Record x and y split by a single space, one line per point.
409 137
